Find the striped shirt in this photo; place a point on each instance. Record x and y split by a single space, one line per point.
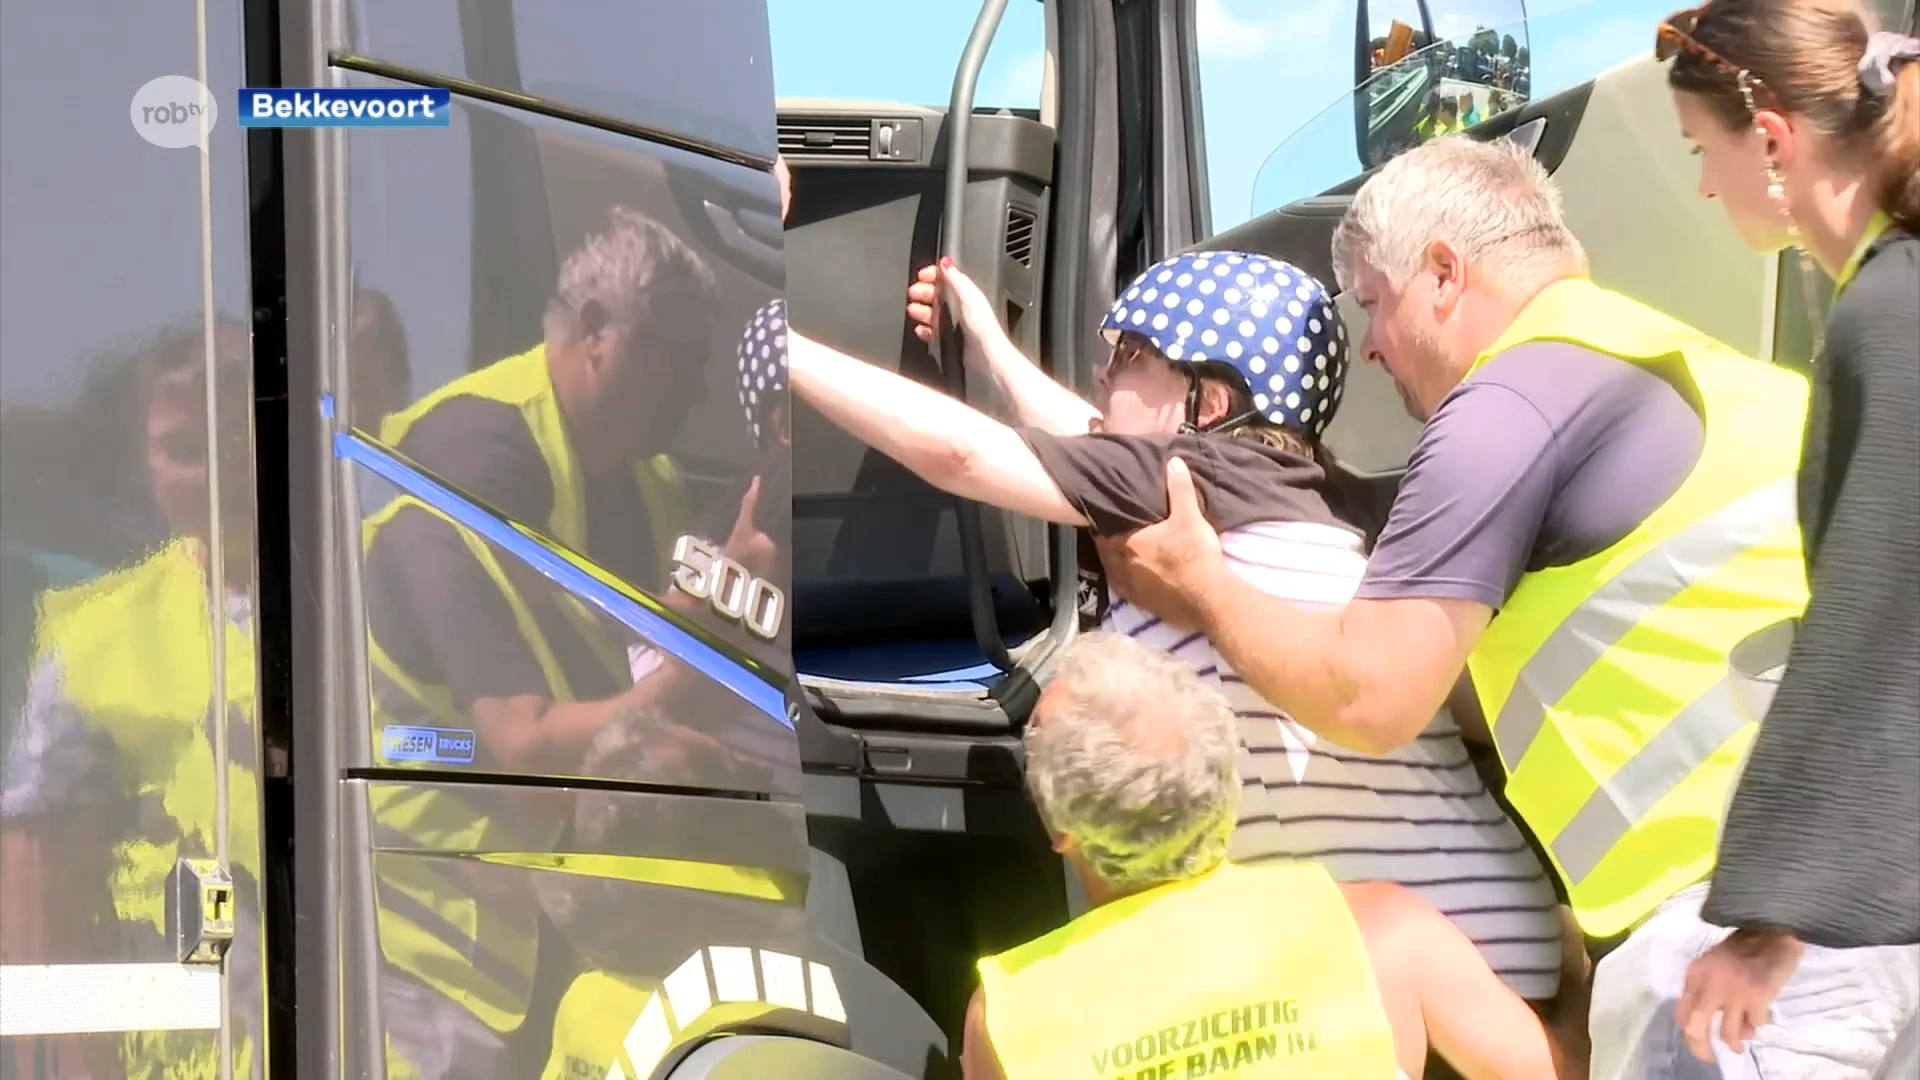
1419 816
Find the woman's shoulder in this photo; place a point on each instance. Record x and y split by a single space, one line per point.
1879 312
1888 280
1895 255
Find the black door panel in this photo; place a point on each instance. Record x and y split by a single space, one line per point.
876 554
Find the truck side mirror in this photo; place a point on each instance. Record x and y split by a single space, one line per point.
1414 86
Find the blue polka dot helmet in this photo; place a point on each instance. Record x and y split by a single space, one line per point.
1270 322
762 379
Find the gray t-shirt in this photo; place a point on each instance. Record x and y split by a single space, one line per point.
1550 453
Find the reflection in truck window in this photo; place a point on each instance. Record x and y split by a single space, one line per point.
1277 83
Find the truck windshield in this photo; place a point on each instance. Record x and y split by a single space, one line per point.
1473 67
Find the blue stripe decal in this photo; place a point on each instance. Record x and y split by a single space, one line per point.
752 688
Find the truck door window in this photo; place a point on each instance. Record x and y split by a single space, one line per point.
656 64
859 50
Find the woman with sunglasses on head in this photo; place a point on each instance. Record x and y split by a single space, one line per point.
1235 363
1807 124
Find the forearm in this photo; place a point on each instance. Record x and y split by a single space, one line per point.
1515 1046
1038 400
530 732
945 442
1294 656
1481 1029
916 425
1370 675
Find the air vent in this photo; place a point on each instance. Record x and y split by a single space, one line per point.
1020 235
826 137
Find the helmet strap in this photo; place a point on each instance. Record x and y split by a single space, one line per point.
1192 424
1226 424
1232 423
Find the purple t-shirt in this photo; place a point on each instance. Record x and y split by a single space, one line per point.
1550 453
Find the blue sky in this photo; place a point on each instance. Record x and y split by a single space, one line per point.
1271 70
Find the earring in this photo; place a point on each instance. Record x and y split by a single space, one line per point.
1777 192
1776 184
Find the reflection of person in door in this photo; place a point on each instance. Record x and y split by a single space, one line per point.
784 177
107 778
568 438
112 764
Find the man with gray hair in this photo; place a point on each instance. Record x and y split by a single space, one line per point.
1599 516
1188 965
568 438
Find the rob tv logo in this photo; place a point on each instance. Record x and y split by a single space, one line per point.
174 112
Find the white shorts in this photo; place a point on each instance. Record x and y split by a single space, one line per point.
1836 1018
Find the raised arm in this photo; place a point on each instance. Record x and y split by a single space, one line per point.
1038 401
945 442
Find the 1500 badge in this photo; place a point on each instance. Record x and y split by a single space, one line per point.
703 572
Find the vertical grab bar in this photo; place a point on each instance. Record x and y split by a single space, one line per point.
986 625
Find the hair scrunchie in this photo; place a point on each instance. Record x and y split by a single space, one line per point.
1886 54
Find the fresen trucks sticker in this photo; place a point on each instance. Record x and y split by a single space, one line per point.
439 746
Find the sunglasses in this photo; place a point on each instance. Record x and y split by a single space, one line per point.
1126 353
1675 36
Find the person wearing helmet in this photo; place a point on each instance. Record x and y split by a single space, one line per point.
752 526
1236 363
761 378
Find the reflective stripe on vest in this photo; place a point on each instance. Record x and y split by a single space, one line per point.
1196 978
1608 681
1652 581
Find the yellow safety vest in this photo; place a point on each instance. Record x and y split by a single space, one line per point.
1257 973
1607 683
525 383
469 948
135 655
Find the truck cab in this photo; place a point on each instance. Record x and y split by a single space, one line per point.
430 647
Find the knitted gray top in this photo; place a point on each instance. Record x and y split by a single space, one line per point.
1823 836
